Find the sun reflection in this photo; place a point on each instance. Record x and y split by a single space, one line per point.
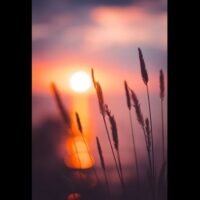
78 156
77 146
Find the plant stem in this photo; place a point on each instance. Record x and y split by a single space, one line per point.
148 153
153 158
149 105
107 184
118 171
150 165
120 166
91 159
112 148
134 149
163 141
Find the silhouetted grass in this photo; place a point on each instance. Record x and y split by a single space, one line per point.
162 90
115 139
103 165
66 118
147 128
102 112
141 121
128 101
65 115
86 144
145 78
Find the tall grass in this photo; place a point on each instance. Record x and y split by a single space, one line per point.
144 127
99 93
145 78
86 144
65 116
148 134
128 101
148 139
162 90
115 138
103 164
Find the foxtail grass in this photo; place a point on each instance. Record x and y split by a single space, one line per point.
78 121
141 121
65 116
137 107
145 78
128 101
100 99
102 112
86 144
162 91
147 135
115 137
103 165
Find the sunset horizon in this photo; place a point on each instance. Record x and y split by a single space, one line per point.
99 99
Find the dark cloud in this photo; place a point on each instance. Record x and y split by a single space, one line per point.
45 9
37 4
127 56
102 2
40 3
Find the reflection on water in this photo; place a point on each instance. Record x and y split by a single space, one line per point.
50 173
77 146
77 155
75 170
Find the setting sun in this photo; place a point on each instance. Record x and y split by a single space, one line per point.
80 82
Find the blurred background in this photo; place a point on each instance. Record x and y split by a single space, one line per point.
76 35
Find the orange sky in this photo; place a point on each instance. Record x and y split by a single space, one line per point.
106 39
43 73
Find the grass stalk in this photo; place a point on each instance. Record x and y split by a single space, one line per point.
128 101
117 167
99 93
147 135
145 78
162 90
152 140
114 136
103 166
163 139
134 149
86 144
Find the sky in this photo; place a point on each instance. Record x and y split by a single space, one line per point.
71 35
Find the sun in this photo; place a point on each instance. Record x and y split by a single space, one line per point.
80 82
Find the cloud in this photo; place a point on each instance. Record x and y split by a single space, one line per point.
103 36
101 28
133 25
43 10
41 3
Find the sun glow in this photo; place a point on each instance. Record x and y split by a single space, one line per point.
78 156
80 82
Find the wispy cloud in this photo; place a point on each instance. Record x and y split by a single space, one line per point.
104 27
99 36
